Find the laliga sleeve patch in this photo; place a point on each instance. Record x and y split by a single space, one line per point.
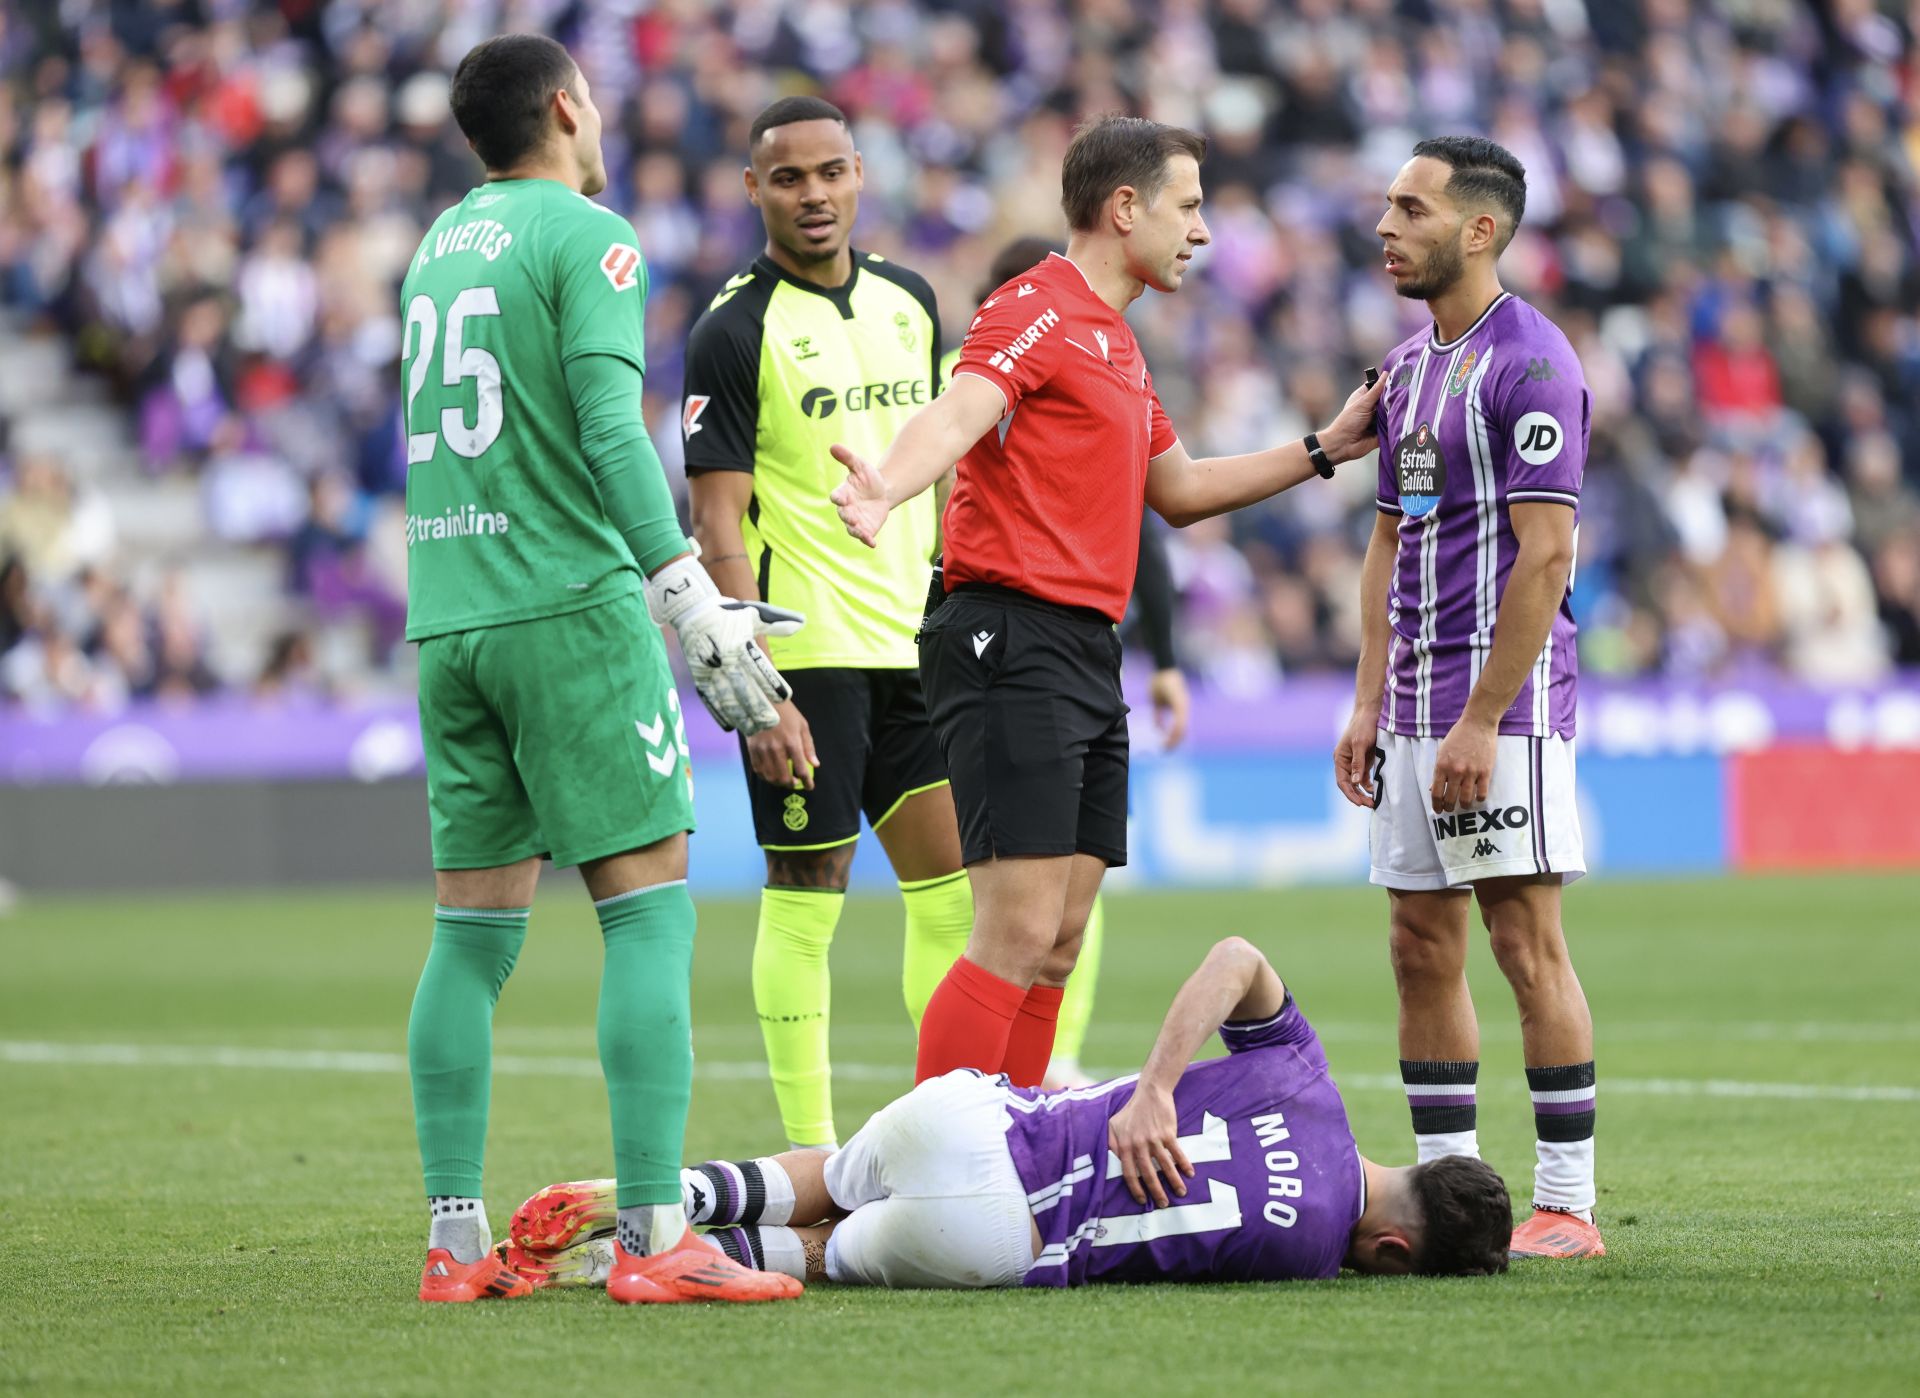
1538 438
690 410
1419 471
621 266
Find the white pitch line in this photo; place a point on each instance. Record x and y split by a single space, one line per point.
28 1051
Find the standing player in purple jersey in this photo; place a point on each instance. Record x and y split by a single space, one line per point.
1461 739
1241 1168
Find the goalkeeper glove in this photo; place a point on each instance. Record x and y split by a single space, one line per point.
731 673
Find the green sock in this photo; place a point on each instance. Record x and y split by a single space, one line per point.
450 1040
793 997
1076 1006
646 1036
939 920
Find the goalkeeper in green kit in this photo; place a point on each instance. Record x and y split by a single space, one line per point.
540 536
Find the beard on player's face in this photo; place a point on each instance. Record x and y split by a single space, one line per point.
1445 264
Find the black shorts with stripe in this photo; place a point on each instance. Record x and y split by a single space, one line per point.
871 734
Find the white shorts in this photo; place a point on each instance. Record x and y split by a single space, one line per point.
933 1197
1529 824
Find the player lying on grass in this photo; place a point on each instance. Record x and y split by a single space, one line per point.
1241 1168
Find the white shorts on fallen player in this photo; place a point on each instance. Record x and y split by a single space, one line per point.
934 1198
1529 824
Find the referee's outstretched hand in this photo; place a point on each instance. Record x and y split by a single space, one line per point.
861 498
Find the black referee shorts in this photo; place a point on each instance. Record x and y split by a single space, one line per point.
1025 700
870 730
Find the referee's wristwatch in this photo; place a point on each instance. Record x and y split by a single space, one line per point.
1322 463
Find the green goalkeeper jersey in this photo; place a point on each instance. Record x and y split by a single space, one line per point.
504 519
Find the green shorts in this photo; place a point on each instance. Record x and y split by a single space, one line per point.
559 736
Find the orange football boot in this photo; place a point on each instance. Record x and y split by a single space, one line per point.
443 1279
1550 1233
584 1264
562 1214
692 1271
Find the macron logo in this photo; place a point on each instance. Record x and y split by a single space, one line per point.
1026 289
981 639
1004 360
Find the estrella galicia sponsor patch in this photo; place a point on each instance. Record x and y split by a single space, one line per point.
1419 472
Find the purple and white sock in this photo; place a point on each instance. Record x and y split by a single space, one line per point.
1563 1111
765 1249
723 1192
1442 1095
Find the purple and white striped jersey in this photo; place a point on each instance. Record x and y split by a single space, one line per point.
1277 1183
1499 415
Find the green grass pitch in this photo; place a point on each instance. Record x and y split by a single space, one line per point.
203 1217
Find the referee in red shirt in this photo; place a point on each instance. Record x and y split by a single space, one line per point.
1059 439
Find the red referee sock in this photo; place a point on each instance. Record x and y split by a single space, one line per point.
967 1022
1030 1044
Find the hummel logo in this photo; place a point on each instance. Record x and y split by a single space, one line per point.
1026 289
980 639
1484 848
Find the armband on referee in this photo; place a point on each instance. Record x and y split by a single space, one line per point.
1322 463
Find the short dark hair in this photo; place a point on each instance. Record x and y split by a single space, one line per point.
502 91
791 109
1484 172
1113 151
1467 1218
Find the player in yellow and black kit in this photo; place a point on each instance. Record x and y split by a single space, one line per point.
817 343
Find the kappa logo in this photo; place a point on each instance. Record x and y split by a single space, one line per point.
1402 377
621 265
980 642
1484 848
1540 438
1540 370
690 411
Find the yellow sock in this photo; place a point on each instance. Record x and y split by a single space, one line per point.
793 996
939 920
1076 1006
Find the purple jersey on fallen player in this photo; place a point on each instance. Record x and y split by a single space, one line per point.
1277 1185
1498 416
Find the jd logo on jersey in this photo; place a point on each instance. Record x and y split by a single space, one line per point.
1420 473
1539 438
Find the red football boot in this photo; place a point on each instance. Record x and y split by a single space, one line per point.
1550 1233
489 1279
692 1271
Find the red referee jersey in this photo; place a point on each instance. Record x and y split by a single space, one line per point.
1049 502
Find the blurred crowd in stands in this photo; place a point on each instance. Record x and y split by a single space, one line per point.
213 201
